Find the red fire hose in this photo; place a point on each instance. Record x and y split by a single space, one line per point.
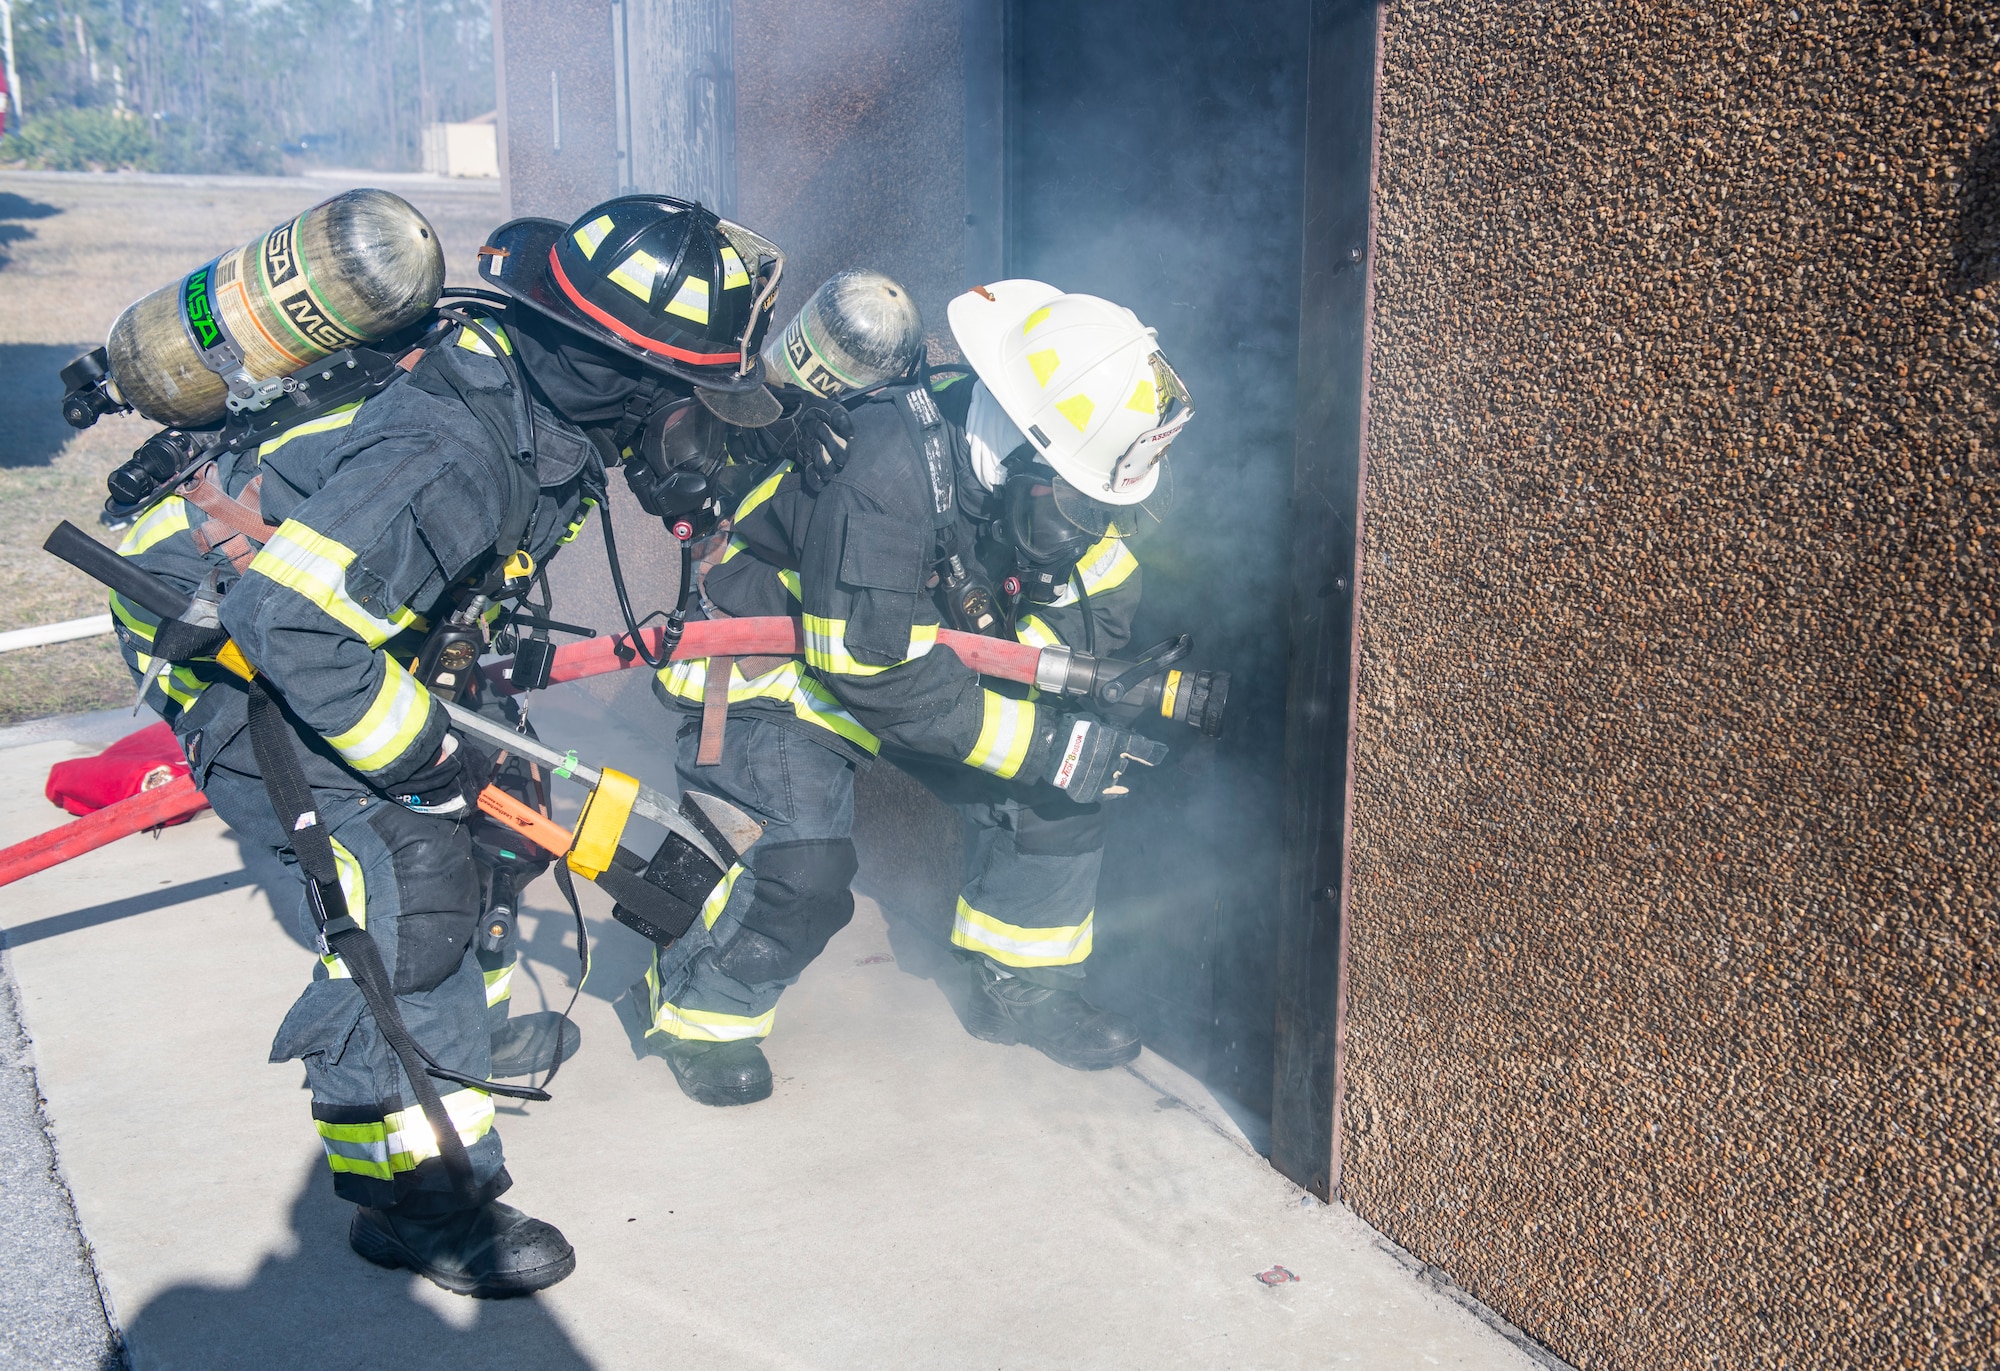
763 637
177 799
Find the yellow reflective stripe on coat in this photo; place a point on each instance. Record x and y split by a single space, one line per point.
1108 565
500 984
1012 945
354 893
339 417
177 683
163 520
761 492
403 1139
826 647
472 342
1004 735
1035 633
787 684
400 710
703 1025
314 567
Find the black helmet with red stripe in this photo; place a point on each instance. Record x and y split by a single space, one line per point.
663 281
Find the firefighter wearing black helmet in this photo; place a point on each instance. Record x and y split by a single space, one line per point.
342 546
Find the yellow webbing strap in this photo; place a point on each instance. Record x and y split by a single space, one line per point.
231 658
602 824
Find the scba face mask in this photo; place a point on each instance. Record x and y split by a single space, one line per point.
1050 526
673 465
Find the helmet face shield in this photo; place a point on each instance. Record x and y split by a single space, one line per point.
755 247
1047 521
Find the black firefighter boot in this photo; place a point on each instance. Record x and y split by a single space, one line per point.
525 1045
720 1073
493 1252
1060 1024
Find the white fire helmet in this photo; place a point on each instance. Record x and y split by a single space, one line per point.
1081 377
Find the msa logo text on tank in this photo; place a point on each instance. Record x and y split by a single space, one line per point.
280 263
807 364
308 318
195 305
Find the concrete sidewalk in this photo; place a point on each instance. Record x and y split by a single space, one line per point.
910 1197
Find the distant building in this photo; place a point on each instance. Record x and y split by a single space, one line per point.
468 149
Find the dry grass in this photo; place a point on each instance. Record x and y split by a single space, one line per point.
74 251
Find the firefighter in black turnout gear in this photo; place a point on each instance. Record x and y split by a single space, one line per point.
346 549
994 502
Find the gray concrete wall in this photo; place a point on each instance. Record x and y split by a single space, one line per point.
850 142
849 145
558 138
1674 924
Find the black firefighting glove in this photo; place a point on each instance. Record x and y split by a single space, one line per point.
812 434
450 785
1086 758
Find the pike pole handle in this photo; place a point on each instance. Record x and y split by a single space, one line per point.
537 827
134 583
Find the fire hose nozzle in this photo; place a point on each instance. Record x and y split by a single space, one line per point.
1052 672
1195 698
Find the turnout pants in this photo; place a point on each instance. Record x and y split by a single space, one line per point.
1025 905
411 883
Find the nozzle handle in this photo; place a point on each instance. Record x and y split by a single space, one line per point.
100 563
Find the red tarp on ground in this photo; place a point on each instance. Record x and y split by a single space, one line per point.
142 761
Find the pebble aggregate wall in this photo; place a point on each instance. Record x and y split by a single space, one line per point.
1671 1031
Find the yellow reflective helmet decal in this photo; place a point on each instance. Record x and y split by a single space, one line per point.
691 300
591 234
1077 409
636 274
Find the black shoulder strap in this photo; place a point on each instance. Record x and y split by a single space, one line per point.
934 440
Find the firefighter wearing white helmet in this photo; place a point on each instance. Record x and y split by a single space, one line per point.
1082 378
986 499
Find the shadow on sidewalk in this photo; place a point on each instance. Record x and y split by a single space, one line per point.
320 1306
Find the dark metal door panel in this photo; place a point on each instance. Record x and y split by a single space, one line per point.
1155 157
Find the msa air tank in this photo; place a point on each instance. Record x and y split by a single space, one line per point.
346 272
857 330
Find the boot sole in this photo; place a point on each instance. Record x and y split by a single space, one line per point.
385 1250
1092 1061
